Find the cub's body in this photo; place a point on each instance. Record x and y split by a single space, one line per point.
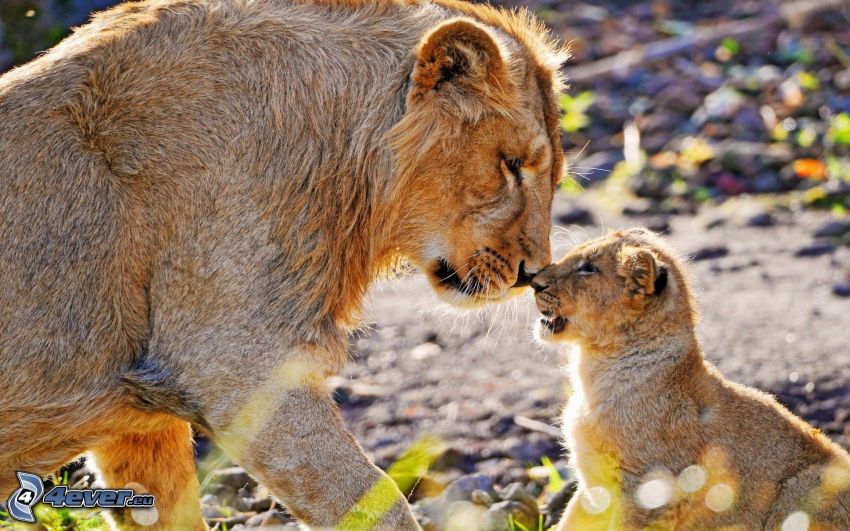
660 439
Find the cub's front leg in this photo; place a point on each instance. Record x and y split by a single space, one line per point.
577 518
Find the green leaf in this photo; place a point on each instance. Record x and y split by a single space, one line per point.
570 186
578 103
806 137
414 463
575 109
572 122
556 482
513 525
839 129
808 80
731 45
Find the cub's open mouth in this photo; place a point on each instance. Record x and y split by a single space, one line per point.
555 324
449 277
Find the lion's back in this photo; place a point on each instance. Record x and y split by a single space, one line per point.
55 220
64 299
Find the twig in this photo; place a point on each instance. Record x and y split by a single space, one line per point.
624 61
536 425
837 52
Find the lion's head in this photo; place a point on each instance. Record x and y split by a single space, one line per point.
479 152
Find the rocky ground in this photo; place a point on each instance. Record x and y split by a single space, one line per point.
761 107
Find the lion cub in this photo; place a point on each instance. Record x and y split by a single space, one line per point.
660 439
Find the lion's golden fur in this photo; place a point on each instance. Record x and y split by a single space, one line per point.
657 433
195 197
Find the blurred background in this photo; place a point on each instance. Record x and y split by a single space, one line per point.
724 125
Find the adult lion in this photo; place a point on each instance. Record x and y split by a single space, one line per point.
196 195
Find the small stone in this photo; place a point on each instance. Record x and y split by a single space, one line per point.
234 522
729 184
661 225
425 351
455 458
425 522
213 511
262 504
709 253
500 425
480 497
680 98
766 183
352 393
463 487
242 503
763 219
272 517
225 493
531 448
503 470
841 290
715 223
210 499
235 477
791 93
638 208
842 80
748 123
833 229
576 216
815 249
500 516
721 104
517 492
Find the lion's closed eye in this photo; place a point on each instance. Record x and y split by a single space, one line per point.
515 167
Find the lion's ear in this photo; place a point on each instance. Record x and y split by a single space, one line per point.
643 274
459 58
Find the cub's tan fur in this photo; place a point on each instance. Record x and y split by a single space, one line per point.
196 195
659 438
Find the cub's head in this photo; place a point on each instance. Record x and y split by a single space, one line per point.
479 154
624 287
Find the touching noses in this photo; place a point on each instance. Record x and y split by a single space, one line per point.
523 276
535 262
538 285
542 280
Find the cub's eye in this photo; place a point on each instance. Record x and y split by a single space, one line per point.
515 167
586 268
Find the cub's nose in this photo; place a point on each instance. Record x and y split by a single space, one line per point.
538 285
542 280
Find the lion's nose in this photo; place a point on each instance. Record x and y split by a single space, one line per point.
523 277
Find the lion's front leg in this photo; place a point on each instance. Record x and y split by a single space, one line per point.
288 433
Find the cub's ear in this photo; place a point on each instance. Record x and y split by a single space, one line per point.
458 60
643 273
